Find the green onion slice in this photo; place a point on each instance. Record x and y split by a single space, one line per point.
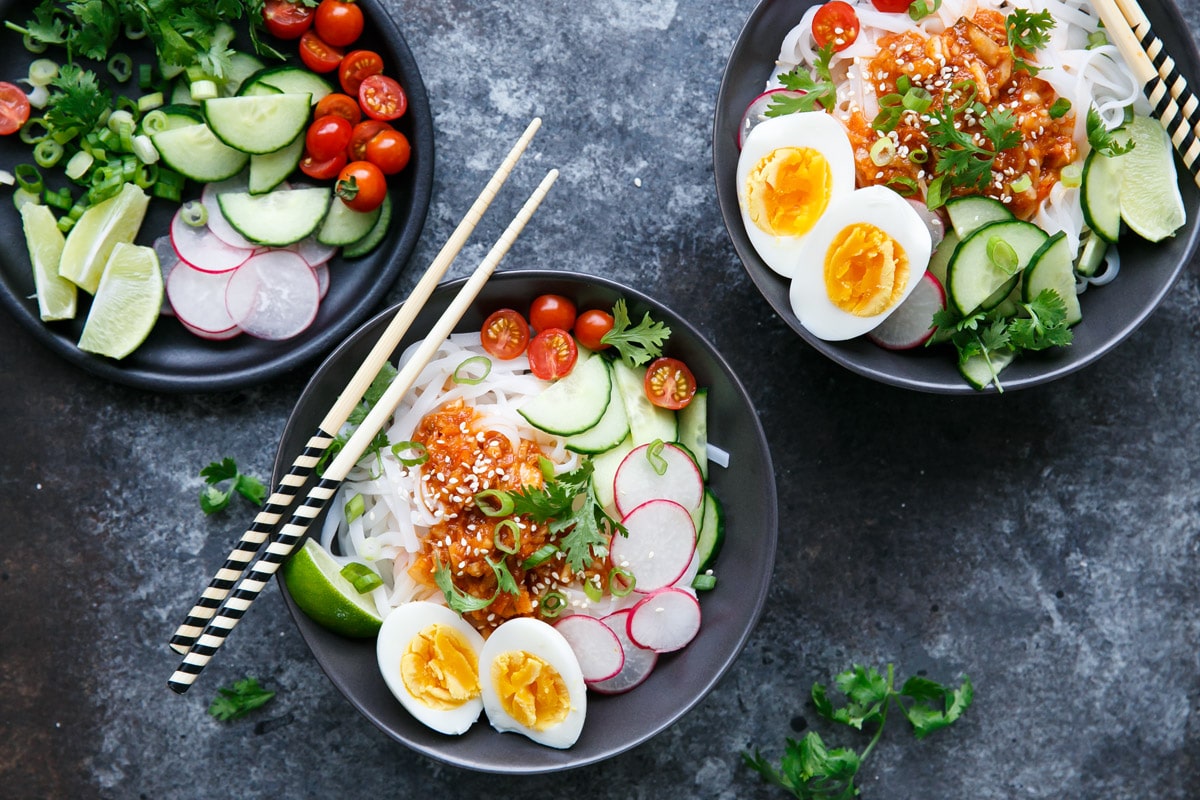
498 541
1021 184
553 603
539 556
883 150
703 583
194 213
463 372
1002 254
42 71
903 185
120 66
494 503
655 457
362 577
920 9
1071 176
47 153
355 507
593 592
410 454
620 582
28 178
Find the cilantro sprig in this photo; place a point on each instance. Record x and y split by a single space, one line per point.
1028 31
812 771
1104 140
819 90
239 699
963 159
636 344
214 499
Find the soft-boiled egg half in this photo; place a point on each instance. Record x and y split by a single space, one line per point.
429 657
790 171
859 263
532 683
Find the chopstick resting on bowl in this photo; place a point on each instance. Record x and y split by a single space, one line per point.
285 540
304 464
1173 103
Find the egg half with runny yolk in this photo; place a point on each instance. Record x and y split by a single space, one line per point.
859 264
532 683
790 171
429 657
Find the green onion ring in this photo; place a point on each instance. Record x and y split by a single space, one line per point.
539 556
882 151
494 503
655 457
1002 254
593 592
553 603
355 507
497 537
194 213
420 457
120 66
1021 184
620 582
47 153
28 178
462 370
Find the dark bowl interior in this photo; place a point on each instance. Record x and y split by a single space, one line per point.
172 359
1111 313
746 488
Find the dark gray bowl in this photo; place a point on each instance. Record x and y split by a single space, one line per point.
746 488
1110 313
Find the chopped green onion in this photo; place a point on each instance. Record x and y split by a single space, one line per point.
134 31
22 196
362 577
498 537
893 100
419 455
887 119
120 66
146 176
703 583
883 150
355 507
203 90
61 199
150 101
1021 184
903 185
28 178
553 603
33 45
539 556
1002 254
462 373
1096 39
6 178
154 122
144 149
620 582
42 71
920 9
1059 108
47 153
655 457
145 76
195 214
494 503
169 185
79 164
34 130
593 592
917 99
918 156
1071 176
546 466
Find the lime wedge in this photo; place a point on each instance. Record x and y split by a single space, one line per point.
127 303
1150 201
117 219
316 584
55 295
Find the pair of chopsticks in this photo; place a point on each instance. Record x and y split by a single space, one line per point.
225 600
1173 103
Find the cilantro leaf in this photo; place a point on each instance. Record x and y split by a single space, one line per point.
820 90
1046 325
961 160
77 102
1029 30
1104 140
214 499
459 600
239 699
636 344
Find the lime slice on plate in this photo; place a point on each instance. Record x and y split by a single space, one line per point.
1150 201
127 303
55 295
98 229
314 579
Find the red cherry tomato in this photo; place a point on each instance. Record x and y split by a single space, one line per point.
285 19
14 108
356 66
322 170
552 354
591 326
338 22
361 185
504 334
892 6
340 105
669 383
551 311
382 97
318 55
328 136
389 150
363 133
835 23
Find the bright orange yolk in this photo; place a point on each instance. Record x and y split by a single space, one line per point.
439 668
866 270
530 690
788 191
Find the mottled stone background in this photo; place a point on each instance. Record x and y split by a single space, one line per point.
1043 542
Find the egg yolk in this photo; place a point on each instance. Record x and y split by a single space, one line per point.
530 690
866 270
788 191
439 668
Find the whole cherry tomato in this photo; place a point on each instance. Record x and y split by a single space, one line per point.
361 186
837 24
389 150
552 354
318 55
340 105
356 66
322 169
505 334
285 19
551 311
382 97
327 136
591 326
338 22
669 383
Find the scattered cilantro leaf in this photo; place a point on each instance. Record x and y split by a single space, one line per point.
1027 32
214 499
1102 139
637 344
962 160
77 102
239 699
1046 325
459 600
820 90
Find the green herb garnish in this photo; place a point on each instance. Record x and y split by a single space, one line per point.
239 699
1102 139
820 90
639 343
214 499
1028 31
962 160
379 385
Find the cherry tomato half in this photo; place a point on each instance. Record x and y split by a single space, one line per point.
504 334
835 23
338 22
363 133
318 55
340 105
552 354
327 136
892 6
390 151
551 311
14 108
285 19
669 383
591 326
322 169
382 97
361 186
356 66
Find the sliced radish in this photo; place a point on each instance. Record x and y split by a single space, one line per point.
651 473
200 247
199 301
213 336
689 574
756 111
639 662
322 273
216 220
659 545
596 646
275 295
911 324
665 621
312 251
167 259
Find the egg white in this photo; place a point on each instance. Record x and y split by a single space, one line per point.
812 129
542 640
878 206
399 628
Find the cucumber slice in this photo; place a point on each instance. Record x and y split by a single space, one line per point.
1091 255
258 124
241 66
604 472
277 218
693 429
980 374
940 260
1053 267
1101 194
270 169
711 534
287 79
647 422
196 153
343 225
610 431
970 213
181 93
974 279
574 403
374 236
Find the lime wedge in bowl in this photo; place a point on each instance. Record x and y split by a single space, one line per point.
314 579
1151 204
127 303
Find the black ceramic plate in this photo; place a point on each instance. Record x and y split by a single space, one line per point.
743 568
173 359
1111 313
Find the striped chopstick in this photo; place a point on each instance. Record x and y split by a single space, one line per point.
1176 84
304 464
286 539
1168 100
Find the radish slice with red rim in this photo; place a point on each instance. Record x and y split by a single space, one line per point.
199 301
658 546
213 336
665 621
911 324
756 111
200 247
665 472
216 220
274 295
313 252
596 646
322 273
639 662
